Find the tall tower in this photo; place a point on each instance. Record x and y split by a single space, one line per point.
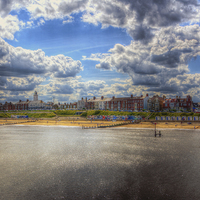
35 96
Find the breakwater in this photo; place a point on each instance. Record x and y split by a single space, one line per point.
113 125
105 126
12 123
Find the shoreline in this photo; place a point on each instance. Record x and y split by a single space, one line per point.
88 123
124 128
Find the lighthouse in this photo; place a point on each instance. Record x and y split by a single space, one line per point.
35 96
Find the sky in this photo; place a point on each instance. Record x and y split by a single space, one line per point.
69 49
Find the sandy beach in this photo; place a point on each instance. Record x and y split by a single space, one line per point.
87 123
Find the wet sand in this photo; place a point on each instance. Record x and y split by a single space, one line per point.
89 123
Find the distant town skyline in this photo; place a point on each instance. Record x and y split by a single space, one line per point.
67 50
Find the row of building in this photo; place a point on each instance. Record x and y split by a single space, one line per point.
155 103
27 105
132 103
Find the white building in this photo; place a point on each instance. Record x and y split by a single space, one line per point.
35 96
82 104
103 103
36 104
49 105
145 99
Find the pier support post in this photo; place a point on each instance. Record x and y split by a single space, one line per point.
159 133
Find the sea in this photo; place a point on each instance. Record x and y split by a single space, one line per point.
55 162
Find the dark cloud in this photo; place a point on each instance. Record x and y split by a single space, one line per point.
73 6
141 33
89 86
120 87
15 98
145 68
162 12
146 81
164 58
115 12
3 53
164 89
5 7
169 59
179 84
20 62
21 69
62 89
141 17
19 84
104 65
95 86
189 2
2 81
14 87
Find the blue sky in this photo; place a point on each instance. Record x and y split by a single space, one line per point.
75 39
73 49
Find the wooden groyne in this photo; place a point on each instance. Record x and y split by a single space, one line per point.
114 125
105 126
9 123
89 127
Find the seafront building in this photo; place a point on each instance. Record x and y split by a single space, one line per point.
71 106
118 103
82 104
93 104
104 103
121 103
131 103
1 106
8 106
36 104
178 104
22 105
62 106
49 105
138 103
155 103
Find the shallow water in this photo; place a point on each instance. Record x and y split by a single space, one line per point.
73 163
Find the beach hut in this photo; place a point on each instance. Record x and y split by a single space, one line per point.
196 118
183 118
173 118
178 118
168 118
163 118
189 118
157 118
